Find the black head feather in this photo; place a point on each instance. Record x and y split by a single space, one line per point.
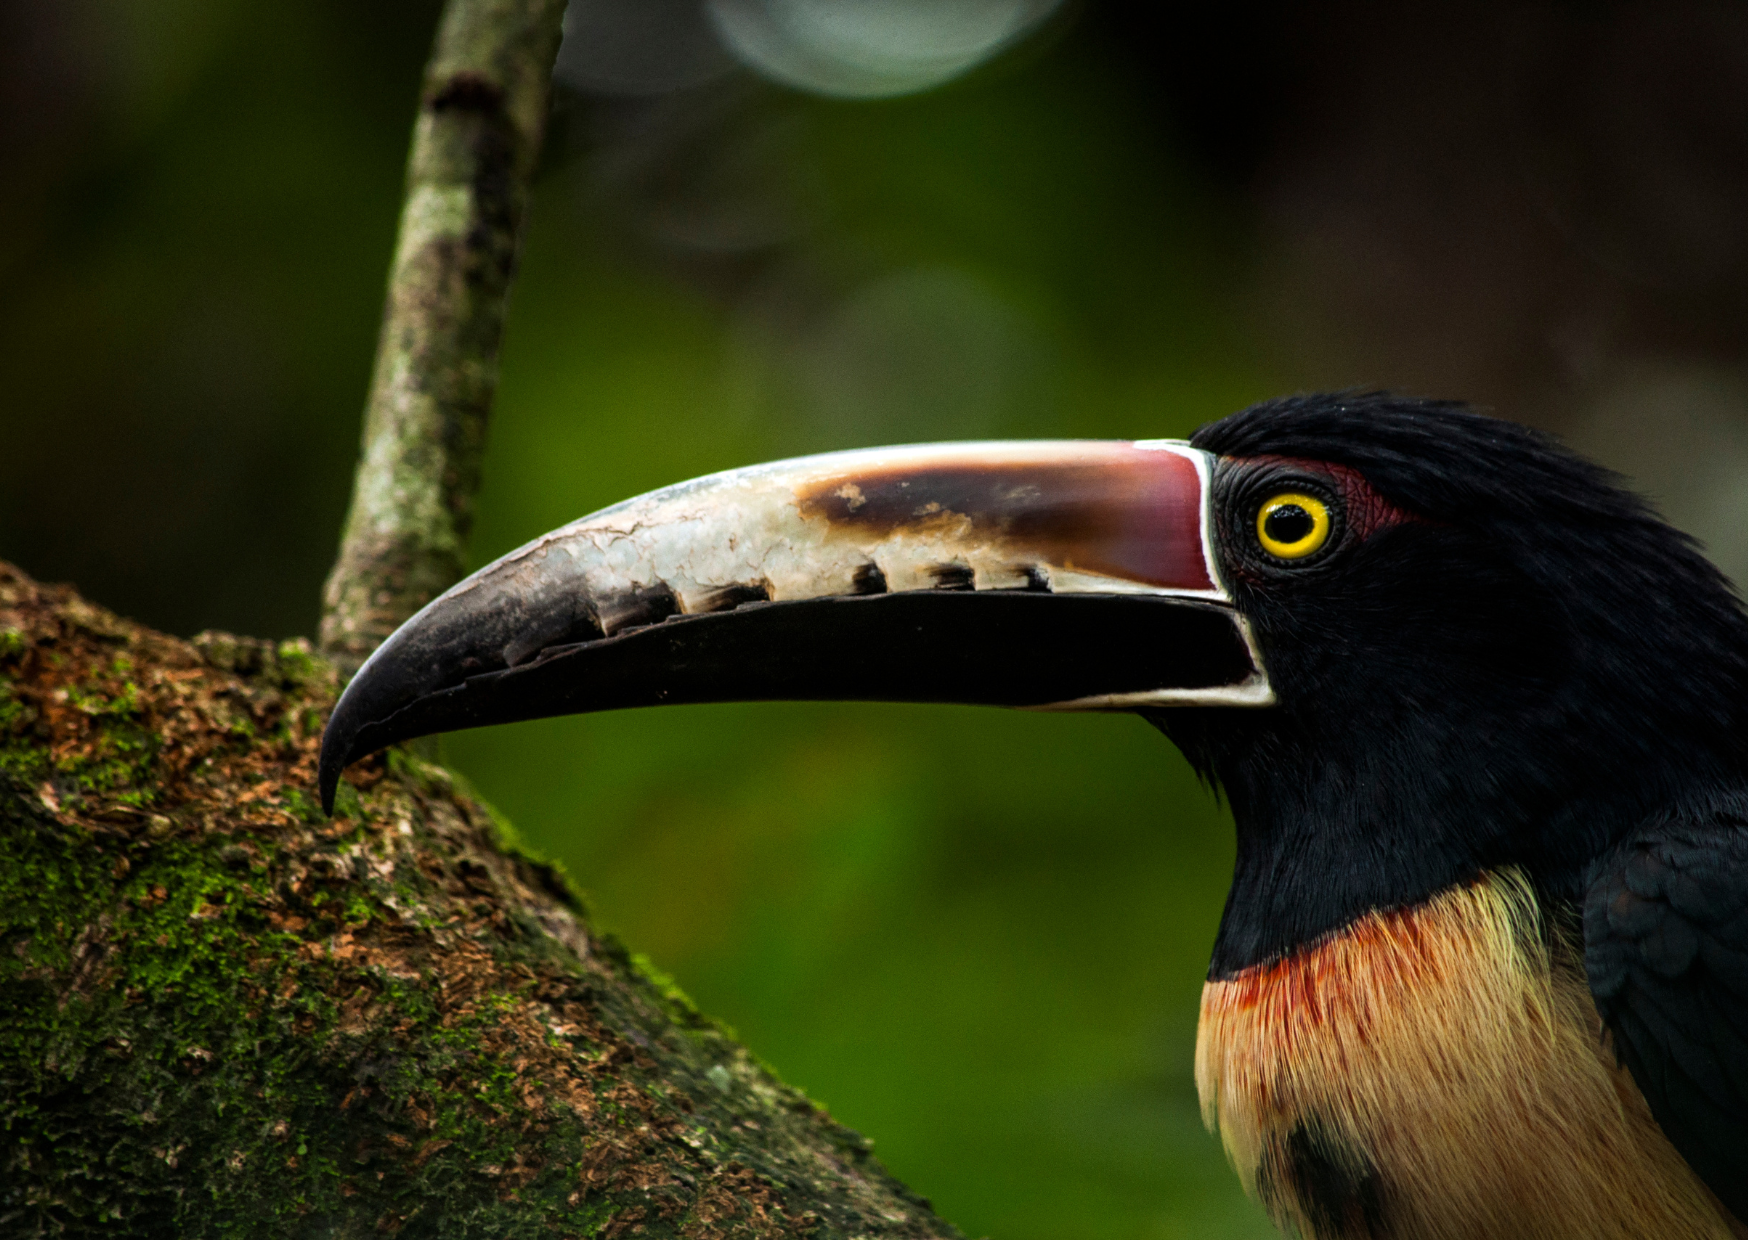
1519 673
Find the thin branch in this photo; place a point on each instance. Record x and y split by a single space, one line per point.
478 135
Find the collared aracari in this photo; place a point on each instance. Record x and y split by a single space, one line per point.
1481 717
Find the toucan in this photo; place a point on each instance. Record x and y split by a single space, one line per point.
1481 717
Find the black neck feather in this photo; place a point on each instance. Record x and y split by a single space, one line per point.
1518 676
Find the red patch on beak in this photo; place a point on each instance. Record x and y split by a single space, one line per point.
1110 508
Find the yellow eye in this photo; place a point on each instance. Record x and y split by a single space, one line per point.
1292 525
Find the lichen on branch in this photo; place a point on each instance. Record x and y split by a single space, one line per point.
475 144
226 1016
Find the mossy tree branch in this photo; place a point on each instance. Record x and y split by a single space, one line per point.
477 139
223 1015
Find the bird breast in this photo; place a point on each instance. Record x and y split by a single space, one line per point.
1438 1072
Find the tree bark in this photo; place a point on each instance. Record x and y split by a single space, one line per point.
483 107
228 1016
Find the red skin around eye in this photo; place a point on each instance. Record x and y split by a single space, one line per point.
1367 511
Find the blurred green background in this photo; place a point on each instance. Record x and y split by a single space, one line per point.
977 936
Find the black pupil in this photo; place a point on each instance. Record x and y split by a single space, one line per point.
1289 524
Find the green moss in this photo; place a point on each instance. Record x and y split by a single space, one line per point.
305 807
678 1000
20 760
162 1036
347 803
297 663
14 714
100 701
206 1047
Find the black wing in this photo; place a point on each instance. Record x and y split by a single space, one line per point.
1666 949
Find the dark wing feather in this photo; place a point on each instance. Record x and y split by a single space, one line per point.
1666 950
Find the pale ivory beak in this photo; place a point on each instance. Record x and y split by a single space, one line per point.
1068 574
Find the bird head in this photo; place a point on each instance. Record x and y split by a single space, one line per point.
1409 642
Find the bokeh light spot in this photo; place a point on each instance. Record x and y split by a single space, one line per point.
865 49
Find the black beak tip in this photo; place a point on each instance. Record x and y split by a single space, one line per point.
373 713
348 737
336 741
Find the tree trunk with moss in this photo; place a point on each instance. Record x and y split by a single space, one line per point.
224 1015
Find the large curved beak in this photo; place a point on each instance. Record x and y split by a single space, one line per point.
1056 574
